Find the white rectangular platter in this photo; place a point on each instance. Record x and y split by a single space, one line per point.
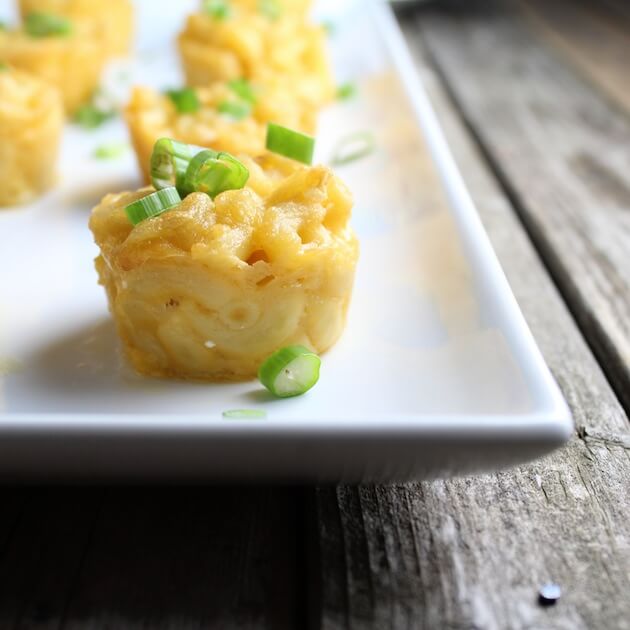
437 373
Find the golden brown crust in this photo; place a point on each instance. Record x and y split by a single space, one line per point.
257 48
71 63
111 21
151 116
31 119
294 7
209 289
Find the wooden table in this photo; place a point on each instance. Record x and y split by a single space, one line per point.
535 100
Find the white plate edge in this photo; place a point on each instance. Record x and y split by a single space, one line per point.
554 422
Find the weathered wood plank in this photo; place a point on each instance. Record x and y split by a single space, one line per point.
176 558
619 7
563 154
11 506
471 553
44 555
592 36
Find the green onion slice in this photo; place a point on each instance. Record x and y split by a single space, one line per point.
353 147
169 162
292 144
290 371
185 100
346 91
329 26
152 205
90 117
111 150
3 66
244 90
217 9
213 173
271 9
244 414
236 110
47 25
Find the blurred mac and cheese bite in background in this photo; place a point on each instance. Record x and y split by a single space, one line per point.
228 116
211 287
31 120
272 8
259 48
110 21
59 52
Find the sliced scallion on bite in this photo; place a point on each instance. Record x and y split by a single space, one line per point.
292 144
47 25
217 9
290 371
152 205
243 89
190 169
185 100
271 9
169 162
236 110
212 173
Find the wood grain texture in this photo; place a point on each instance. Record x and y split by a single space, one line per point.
151 558
592 36
459 554
471 553
563 154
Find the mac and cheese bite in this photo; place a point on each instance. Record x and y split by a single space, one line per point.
111 21
31 120
260 49
222 119
72 61
274 8
210 288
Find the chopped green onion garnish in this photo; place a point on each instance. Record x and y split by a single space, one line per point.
213 173
346 91
3 66
292 144
270 8
111 151
90 117
152 205
185 100
46 25
291 371
244 414
243 89
3 26
194 169
329 26
237 110
217 9
353 147
169 162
